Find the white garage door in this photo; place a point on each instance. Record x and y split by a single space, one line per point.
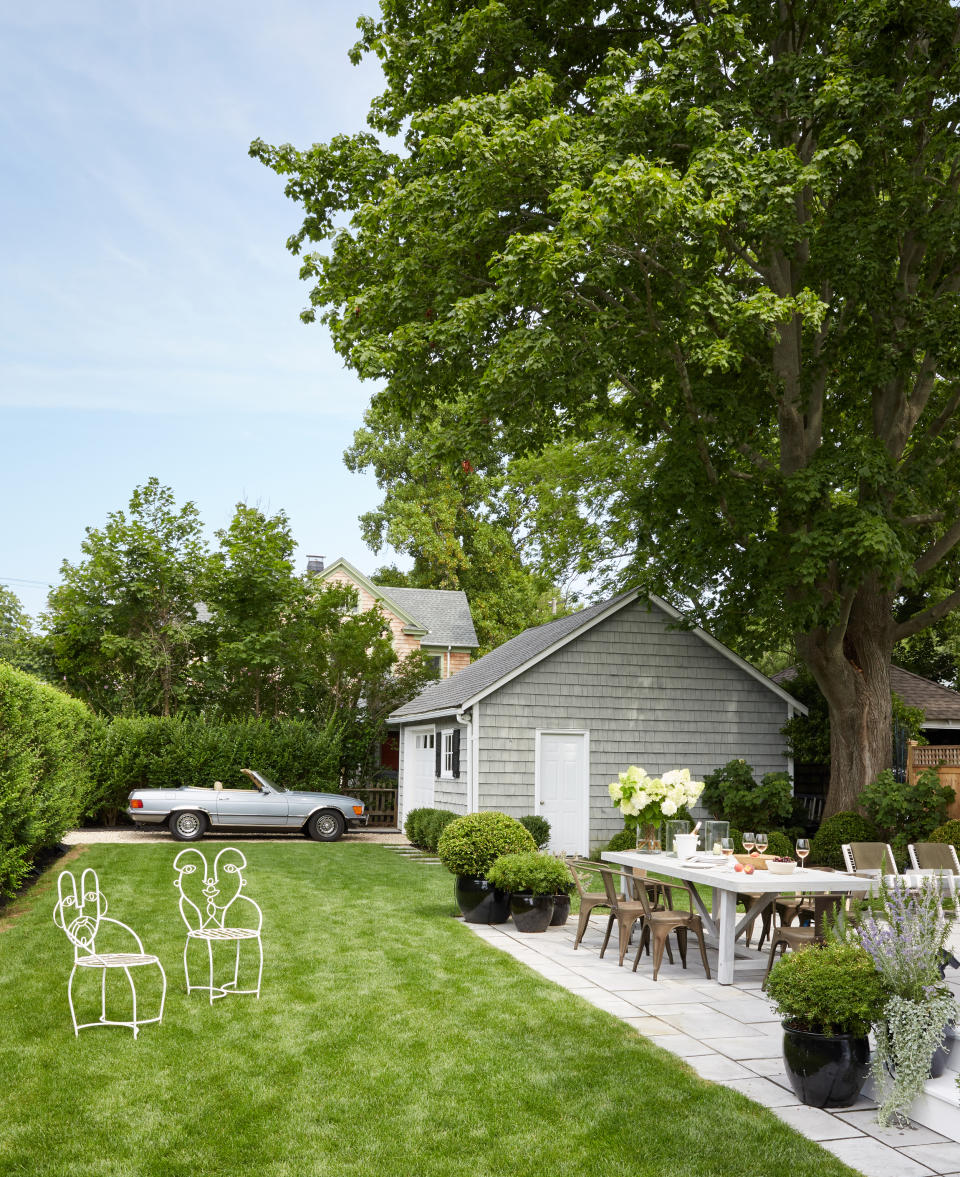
419 766
563 789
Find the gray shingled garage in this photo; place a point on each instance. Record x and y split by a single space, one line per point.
543 723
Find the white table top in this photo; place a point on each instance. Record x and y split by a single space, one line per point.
725 878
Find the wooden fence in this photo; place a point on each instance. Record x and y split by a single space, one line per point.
381 803
945 758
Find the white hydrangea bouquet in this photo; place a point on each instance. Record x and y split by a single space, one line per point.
646 800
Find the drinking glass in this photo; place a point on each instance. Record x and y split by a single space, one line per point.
749 841
726 847
762 841
803 849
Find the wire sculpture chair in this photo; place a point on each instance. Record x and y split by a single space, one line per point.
81 914
217 921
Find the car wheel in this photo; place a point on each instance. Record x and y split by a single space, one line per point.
326 827
187 826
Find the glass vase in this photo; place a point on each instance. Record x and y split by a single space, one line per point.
648 837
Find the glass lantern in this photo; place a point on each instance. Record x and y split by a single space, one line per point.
674 828
713 834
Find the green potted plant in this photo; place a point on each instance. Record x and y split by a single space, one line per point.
468 847
828 996
532 881
906 940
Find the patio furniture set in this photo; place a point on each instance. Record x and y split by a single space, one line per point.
211 903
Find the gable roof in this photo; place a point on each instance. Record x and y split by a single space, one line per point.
939 703
444 612
519 654
439 617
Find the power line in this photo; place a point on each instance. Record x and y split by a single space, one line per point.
20 580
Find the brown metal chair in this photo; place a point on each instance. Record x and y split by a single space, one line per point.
784 938
588 899
658 923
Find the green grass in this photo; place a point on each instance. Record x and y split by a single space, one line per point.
388 1040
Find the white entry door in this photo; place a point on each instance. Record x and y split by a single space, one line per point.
419 767
563 789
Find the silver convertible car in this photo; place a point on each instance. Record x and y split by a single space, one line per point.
189 811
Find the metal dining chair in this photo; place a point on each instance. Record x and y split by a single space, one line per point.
659 922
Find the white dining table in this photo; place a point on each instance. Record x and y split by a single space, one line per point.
720 924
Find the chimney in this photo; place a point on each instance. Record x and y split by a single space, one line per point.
314 564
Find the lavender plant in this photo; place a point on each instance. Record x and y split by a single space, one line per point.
905 940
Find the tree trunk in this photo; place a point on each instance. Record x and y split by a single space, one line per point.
851 665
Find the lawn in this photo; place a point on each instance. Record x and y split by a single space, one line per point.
388 1040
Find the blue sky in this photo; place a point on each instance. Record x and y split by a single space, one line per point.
148 308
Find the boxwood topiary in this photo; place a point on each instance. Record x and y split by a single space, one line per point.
833 989
842 827
949 832
538 827
470 845
780 844
540 874
434 824
624 840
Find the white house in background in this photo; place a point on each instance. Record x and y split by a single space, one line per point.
543 723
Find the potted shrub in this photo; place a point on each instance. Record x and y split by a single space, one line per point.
468 847
906 941
532 881
827 995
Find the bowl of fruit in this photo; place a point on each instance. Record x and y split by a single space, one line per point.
781 866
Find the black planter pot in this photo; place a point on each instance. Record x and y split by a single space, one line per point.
561 909
480 902
531 913
826 1070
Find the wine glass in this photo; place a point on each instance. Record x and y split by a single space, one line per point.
762 842
803 849
749 841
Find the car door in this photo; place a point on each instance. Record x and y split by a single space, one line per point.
251 809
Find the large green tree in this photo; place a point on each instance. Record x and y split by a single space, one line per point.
723 236
122 622
465 528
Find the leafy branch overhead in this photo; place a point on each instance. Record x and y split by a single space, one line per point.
721 240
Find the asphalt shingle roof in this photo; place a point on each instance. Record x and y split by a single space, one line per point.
451 693
937 702
444 612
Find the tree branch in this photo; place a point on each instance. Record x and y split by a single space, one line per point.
935 553
926 617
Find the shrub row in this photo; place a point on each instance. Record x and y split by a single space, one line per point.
424 826
45 782
149 752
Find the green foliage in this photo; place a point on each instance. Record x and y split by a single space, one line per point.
906 813
540 874
700 294
538 828
150 752
122 622
424 826
470 845
732 794
780 844
828 989
949 833
625 839
842 827
44 769
19 645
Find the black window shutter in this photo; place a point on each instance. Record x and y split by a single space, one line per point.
456 752
438 750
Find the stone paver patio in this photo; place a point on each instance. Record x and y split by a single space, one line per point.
728 1034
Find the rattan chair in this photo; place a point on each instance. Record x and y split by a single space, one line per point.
659 922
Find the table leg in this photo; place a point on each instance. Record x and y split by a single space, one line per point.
726 933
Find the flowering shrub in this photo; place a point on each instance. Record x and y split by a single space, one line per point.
647 800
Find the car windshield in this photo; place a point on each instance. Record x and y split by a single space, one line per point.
258 777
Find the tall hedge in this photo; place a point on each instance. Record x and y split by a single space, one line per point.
150 752
46 741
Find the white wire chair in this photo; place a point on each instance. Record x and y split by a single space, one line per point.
81 914
217 921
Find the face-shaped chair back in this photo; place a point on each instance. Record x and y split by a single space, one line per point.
207 893
79 909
